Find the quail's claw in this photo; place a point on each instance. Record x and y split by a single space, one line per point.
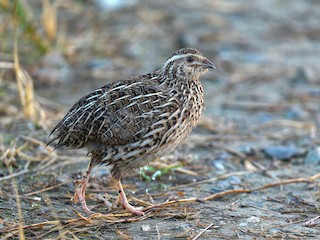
122 199
79 195
80 192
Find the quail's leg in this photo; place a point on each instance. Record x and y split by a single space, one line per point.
124 201
80 192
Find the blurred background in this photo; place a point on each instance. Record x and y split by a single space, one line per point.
262 112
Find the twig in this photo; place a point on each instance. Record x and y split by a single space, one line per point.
314 177
82 217
202 231
185 200
14 175
140 201
228 192
47 189
229 150
234 191
208 180
285 182
158 232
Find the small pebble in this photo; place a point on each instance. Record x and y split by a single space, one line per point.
259 204
146 227
313 157
223 184
265 117
218 164
243 224
37 199
300 77
226 184
296 113
225 155
234 180
253 219
248 150
274 230
280 152
182 227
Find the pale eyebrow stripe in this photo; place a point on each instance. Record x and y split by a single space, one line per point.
176 57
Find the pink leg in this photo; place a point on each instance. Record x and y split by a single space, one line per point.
124 201
80 193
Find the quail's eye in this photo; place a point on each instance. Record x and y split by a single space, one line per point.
190 59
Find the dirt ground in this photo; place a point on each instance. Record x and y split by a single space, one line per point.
249 170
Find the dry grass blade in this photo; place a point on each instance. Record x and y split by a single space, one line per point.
31 108
49 19
25 88
20 217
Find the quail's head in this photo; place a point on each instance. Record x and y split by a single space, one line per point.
188 61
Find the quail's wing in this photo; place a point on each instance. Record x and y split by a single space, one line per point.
116 114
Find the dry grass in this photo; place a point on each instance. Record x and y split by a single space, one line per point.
31 108
49 18
24 26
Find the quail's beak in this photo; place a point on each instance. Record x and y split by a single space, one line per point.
207 63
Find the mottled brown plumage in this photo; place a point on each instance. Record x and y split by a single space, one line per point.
131 122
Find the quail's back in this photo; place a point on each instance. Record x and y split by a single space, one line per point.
130 122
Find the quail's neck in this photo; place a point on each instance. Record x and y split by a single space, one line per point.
177 78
